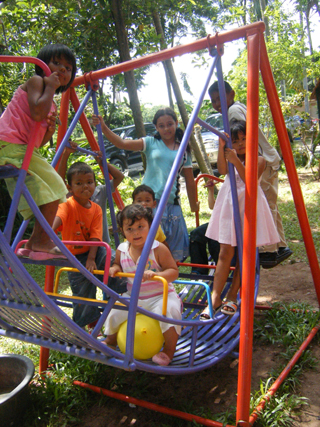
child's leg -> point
(39, 240)
(198, 248)
(170, 342)
(117, 284)
(170, 332)
(83, 314)
(222, 273)
(111, 340)
(235, 285)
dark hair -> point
(57, 51)
(169, 112)
(143, 188)
(134, 213)
(215, 87)
(78, 167)
(237, 126)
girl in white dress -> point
(221, 226)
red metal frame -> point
(204, 175)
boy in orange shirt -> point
(81, 219)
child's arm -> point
(56, 223)
(116, 267)
(91, 260)
(261, 165)
(51, 120)
(62, 168)
(126, 144)
(231, 156)
(221, 162)
(169, 267)
(40, 95)
(211, 198)
(116, 174)
(191, 189)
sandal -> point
(229, 307)
(205, 315)
(54, 253)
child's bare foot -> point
(111, 341)
(40, 246)
(109, 345)
(161, 359)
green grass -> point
(311, 194)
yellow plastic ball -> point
(148, 337)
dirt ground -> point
(214, 390)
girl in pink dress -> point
(32, 103)
(221, 226)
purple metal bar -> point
(211, 129)
(71, 128)
(106, 174)
(158, 215)
(234, 193)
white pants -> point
(154, 304)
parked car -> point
(124, 159)
(210, 140)
(296, 124)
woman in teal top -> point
(160, 152)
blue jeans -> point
(83, 314)
(198, 248)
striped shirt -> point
(150, 288)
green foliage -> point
(127, 187)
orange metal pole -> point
(275, 386)
(290, 166)
(64, 113)
(204, 43)
(50, 269)
(249, 231)
(152, 406)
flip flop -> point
(205, 315)
(23, 252)
(228, 303)
(161, 359)
(43, 256)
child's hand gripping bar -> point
(101, 272)
(165, 289)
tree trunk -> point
(307, 15)
(123, 46)
(265, 18)
(176, 89)
(168, 85)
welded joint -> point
(89, 82)
(214, 45)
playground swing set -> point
(33, 315)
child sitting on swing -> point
(134, 222)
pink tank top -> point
(16, 123)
